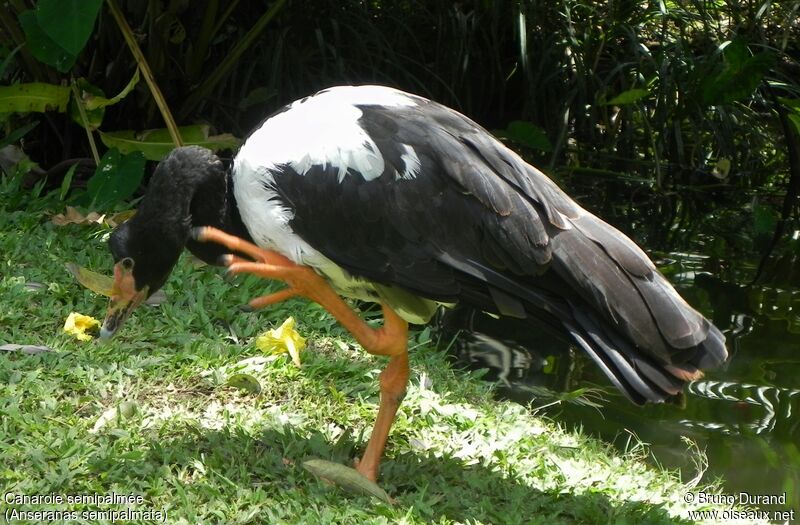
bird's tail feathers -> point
(635, 374)
(637, 329)
(628, 317)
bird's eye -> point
(127, 263)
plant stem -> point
(79, 102)
(222, 69)
(145, 68)
(221, 20)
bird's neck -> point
(183, 201)
(215, 205)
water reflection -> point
(772, 407)
(745, 415)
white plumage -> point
(323, 130)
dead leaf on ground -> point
(26, 349)
(96, 282)
(245, 382)
(346, 477)
(73, 216)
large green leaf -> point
(793, 105)
(34, 97)
(44, 48)
(740, 75)
(115, 179)
(154, 144)
(69, 23)
(794, 118)
(764, 219)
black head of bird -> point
(188, 187)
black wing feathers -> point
(476, 223)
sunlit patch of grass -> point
(150, 412)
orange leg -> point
(390, 340)
(393, 381)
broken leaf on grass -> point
(346, 477)
(154, 144)
(282, 340)
(104, 284)
(81, 326)
(245, 382)
(125, 410)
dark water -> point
(745, 416)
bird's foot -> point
(389, 340)
(301, 280)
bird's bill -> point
(124, 300)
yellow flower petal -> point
(282, 340)
(78, 325)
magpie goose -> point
(370, 193)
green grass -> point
(204, 452)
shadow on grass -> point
(269, 469)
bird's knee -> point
(394, 379)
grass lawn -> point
(150, 413)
